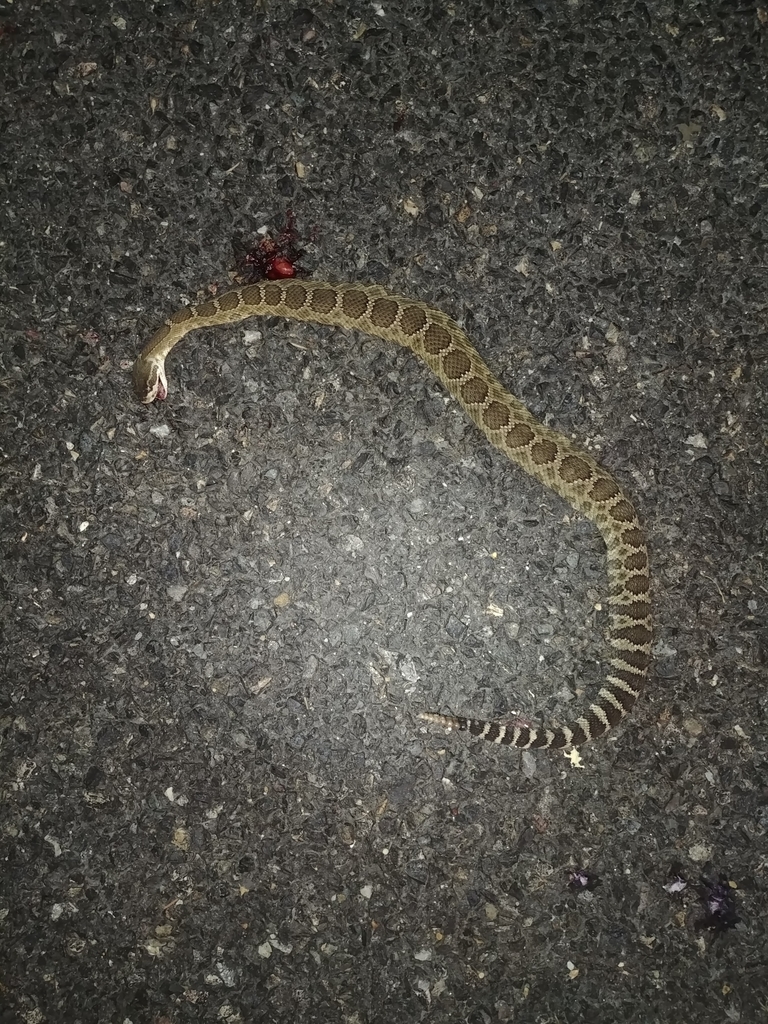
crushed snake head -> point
(149, 380)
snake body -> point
(509, 426)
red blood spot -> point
(272, 257)
(280, 267)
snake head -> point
(149, 380)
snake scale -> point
(509, 426)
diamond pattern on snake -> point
(539, 451)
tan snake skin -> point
(541, 452)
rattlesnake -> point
(543, 453)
